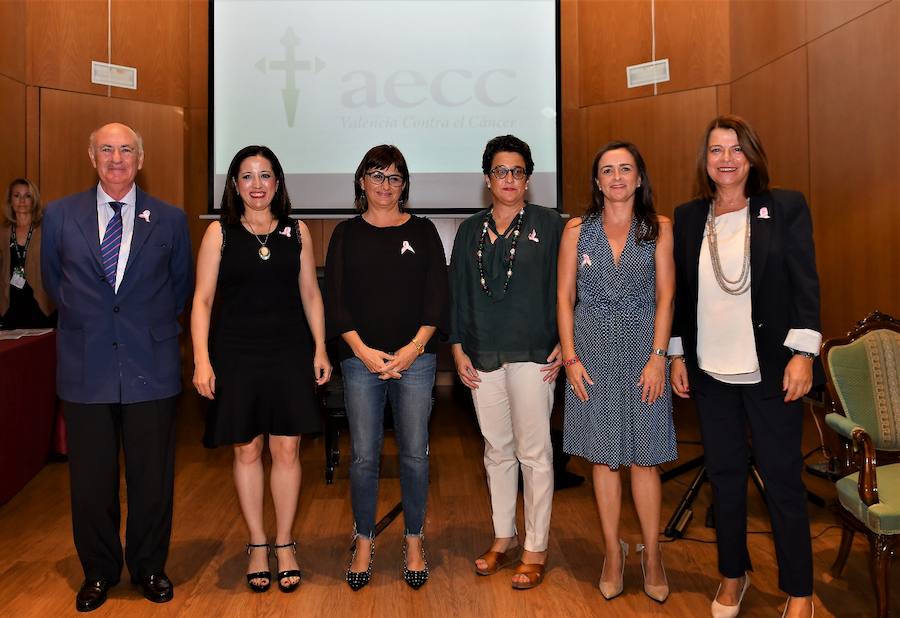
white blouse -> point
(726, 347)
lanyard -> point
(20, 255)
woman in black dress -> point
(23, 302)
(257, 363)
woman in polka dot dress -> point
(616, 262)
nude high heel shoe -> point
(729, 611)
(612, 590)
(784, 613)
(658, 593)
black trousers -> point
(146, 431)
(726, 412)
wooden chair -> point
(863, 371)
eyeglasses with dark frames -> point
(500, 172)
(378, 178)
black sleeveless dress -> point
(260, 344)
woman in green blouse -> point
(506, 350)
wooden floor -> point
(40, 572)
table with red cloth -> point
(28, 410)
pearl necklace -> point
(738, 286)
(512, 251)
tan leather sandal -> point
(497, 560)
(534, 572)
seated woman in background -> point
(747, 324)
(616, 261)
(386, 291)
(257, 362)
(23, 302)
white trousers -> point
(513, 406)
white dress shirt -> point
(105, 213)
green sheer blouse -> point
(518, 325)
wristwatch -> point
(809, 355)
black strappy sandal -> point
(266, 575)
(282, 575)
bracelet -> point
(676, 357)
(809, 355)
(660, 352)
(572, 361)
(419, 347)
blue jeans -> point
(365, 397)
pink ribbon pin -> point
(763, 213)
(286, 231)
(145, 216)
(533, 236)
(585, 260)
(406, 247)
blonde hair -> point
(37, 209)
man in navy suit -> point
(117, 262)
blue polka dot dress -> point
(614, 315)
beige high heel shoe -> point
(812, 606)
(719, 610)
(658, 593)
(612, 590)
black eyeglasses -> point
(395, 180)
(500, 172)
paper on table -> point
(23, 332)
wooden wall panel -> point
(774, 100)
(33, 134)
(12, 41)
(611, 35)
(67, 119)
(825, 15)
(694, 36)
(12, 133)
(153, 36)
(854, 119)
(666, 129)
(198, 49)
(63, 38)
(196, 168)
(723, 99)
(763, 30)
(615, 34)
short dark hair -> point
(751, 146)
(380, 158)
(506, 143)
(233, 205)
(647, 228)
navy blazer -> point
(784, 285)
(117, 347)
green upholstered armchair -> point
(863, 371)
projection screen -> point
(320, 82)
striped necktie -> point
(112, 240)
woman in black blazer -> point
(745, 338)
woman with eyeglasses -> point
(506, 350)
(386, 297)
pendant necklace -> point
(264, 253)
(512, 251)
